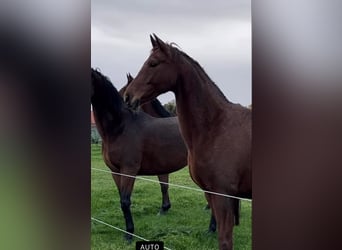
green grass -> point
(183, 227)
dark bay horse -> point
(155, 108)
(133, 143)
(217, 132)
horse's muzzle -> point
(126, 99)
(133, 104)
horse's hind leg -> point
(166, 204)
(237, 204)
(126, 187)
(207, 207)
(224, 212)
(212, 223)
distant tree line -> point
(171, 107)
(95, 136)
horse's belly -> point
(110, 158)
(157, 168)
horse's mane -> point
(177, 53)
(106, 90)
(106, 98)
(159, 108)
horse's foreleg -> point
(212, 223)
(126, 187)
(116, 179)
(166, 204)
(224, 212)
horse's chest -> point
(110, 158)
(106, 159)
(199, 171)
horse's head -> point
(158, 75)
(129, 80)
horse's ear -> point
(129, 78)
(160, 44)
(154, 42)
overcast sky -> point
(215, 33)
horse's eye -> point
(153, 63)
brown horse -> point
(217, 132)
(134, 143)
(156, 109)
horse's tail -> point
(237, 204)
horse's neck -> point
(100, 125)
(107, 122)
(199, 104)
(147, 108)
(155, 108)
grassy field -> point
(183, 227)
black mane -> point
(159, 108)
(176, 53)
(107, 102)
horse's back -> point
(162, 147)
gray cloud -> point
(217, 34)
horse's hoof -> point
(212, 228)
(162, 212)
(128, 238)
(164, 209)
(211, 231)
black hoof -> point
(162, 212)
(128, 238)
(164, 209)
(210, 231)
